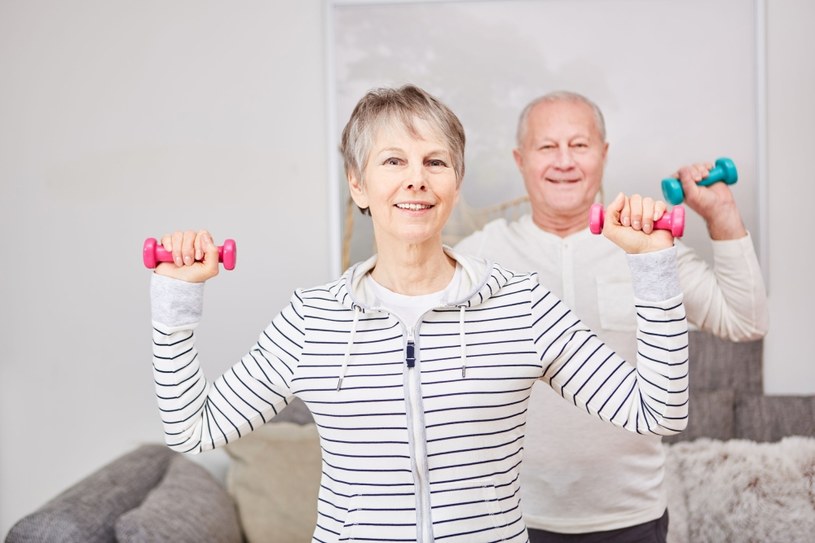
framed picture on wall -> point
(675, 88)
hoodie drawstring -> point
(347, 357)
(463, 343)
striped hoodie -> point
(422, 430)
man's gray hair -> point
(560, 96)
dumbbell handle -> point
(725, 170)
(673, 220)
(153, 253)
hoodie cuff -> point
(176, 303)
(655, 275)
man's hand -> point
(714, 203)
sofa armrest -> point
(87, 511)
(187, 506)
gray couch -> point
(152, 494)
(138, 497)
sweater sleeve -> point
(198, 415)
(728, 300)
(651, 397)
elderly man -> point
(583, 480)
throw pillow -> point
(274, 479)
(187, 506)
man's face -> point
(561, 159)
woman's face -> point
(409, 184)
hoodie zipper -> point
(413, 390)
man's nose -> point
(565, 159)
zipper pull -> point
(410, 354)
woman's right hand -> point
(195, 256)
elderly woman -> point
(417, 364)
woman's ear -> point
(357, 190)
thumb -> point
(618, 203)
(615, 209)
(210, 260)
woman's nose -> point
(416, 180)
(419, 185)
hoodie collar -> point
(479, 280)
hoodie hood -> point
(479, 279)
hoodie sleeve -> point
(198, 415)
(651, 397)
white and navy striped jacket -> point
(422, 433)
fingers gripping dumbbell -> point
(153, 253)
(724, 170)
(673, 221)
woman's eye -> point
(436, 163)
(392, 161)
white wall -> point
(120, 120)
(488, 59)
(789, 366)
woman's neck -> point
(413, 270)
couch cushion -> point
(187, 506)
(739, 490)
(274, 479)
(86, 512)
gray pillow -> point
(86, 512)
(189, 505)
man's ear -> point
(519, 160)
(357, 190)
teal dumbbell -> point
(724, 170)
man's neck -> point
(561, 225)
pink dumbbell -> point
(154, 253)
(673, 220)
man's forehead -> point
(567, 117)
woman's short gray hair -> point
(383, 106)
(560, 96)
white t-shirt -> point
(409, 309)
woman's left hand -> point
(629, 223)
